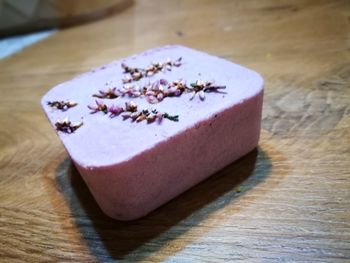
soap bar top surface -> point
(103, 141)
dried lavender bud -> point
(150, 93)
(130, 112)
(150, 73)
(99, 107)
(136, 74)
(163, 82)
(176, 88)
(200, 87)
(109, 94)
(135, 115)
(128, 69)
(142, 116)
(62, 105)
(177, 63)
(130, 106)
(152, 99)
(193, 95)
(160, 96)
(66, 126)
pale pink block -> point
(133, 168)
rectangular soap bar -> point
(144, 129)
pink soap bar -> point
(134, 166)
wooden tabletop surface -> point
(287, 201)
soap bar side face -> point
(131, 190)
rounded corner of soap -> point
(260, 79)
(126, 215)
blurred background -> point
(24, 22)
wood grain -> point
(293, 200)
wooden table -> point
(287, 201)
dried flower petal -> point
(177, 63)
(152, 99)
(127, 79)
(150, 93)
(160, 97)
(172, 90)
(136, 94)
(193, 95)
(201, 95)
(100, 106)
(163, 82)
(178, 92)
(115, 111)
(136, 76)
(159, 117)
(151, 118)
